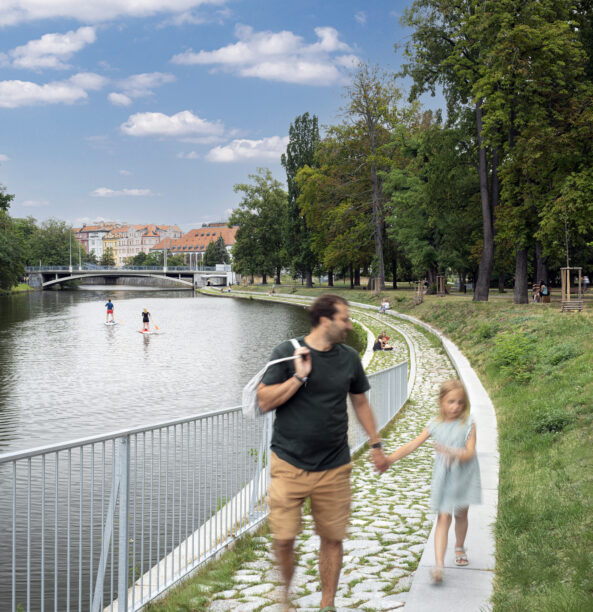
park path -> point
(390, 520)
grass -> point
(196, 592)
(21, 287)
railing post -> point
(123, 473)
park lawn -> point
(16, 289)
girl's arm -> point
(408, 448)
(461, 454)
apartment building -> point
(194, 243)
(129, 240)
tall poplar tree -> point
(303, 139)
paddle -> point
(154, 323)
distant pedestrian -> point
(109, 315)
(456, 473)
(384, 306)
(310, 456)
(585, 283)
(145, 320)
(544, 292)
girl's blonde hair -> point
(445, 389)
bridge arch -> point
(63, 279)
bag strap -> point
(296, 345)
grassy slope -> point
(537, 365)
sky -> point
(150, 111)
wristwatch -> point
(377, 445)
(302, 379)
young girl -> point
(456, 473)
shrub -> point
(561, 352)
(551, 421)
(514, 354)
(487, 330)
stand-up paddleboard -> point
(110, 323)
(149, 333)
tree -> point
(216, 253)
(260, 216)
(26, 231)
(12, 255)
(447, 49)
(371, 108)
(303, 139)
(108, 258)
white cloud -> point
(190, 155)
(119, 99)
(138, 86)
(277, 56)
(183, 125)
(361, 17)
(105, 192)
(92, 11)
(26, 93)
(34, 203)
(247, 150)
(51, 50)
(125, 172)
(4, 158)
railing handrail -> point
(97, 268)
(120, 433)
(113, 435)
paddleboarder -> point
(145, 320)
(109, 314)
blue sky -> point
(150, 111)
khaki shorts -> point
(330, 495)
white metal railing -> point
(112, 521)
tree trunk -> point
(520, 292)
(357, 276)
(351, 277)
(309, 277)
(264, 279)
(462, 287)
(541, 269)
(277, 281)
(330, 277)
(394, 270)
(501, 282)
(482, 286)
(378, 225)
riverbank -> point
(535, 363)
(20, 288)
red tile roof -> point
(196, 240)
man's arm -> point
(270, 397)
(366, 418)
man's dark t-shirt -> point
(311, 428)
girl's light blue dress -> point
(455, 484)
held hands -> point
(379, 459)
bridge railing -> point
(93, 267)
(110, 522)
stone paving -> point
(390, 520)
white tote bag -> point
(249, 403)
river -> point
(65, 375)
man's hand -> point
(302, 366)
(379, 459)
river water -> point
(65, 375)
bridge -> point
(190, 277)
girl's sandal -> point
(436, 574)
(460, 556)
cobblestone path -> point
(390, 517)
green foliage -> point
(303, 140)
(260, 216)
(551, 420)
(487, 330)
(108, 258)
(215, 253)
(52, 244)
(514, 354)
